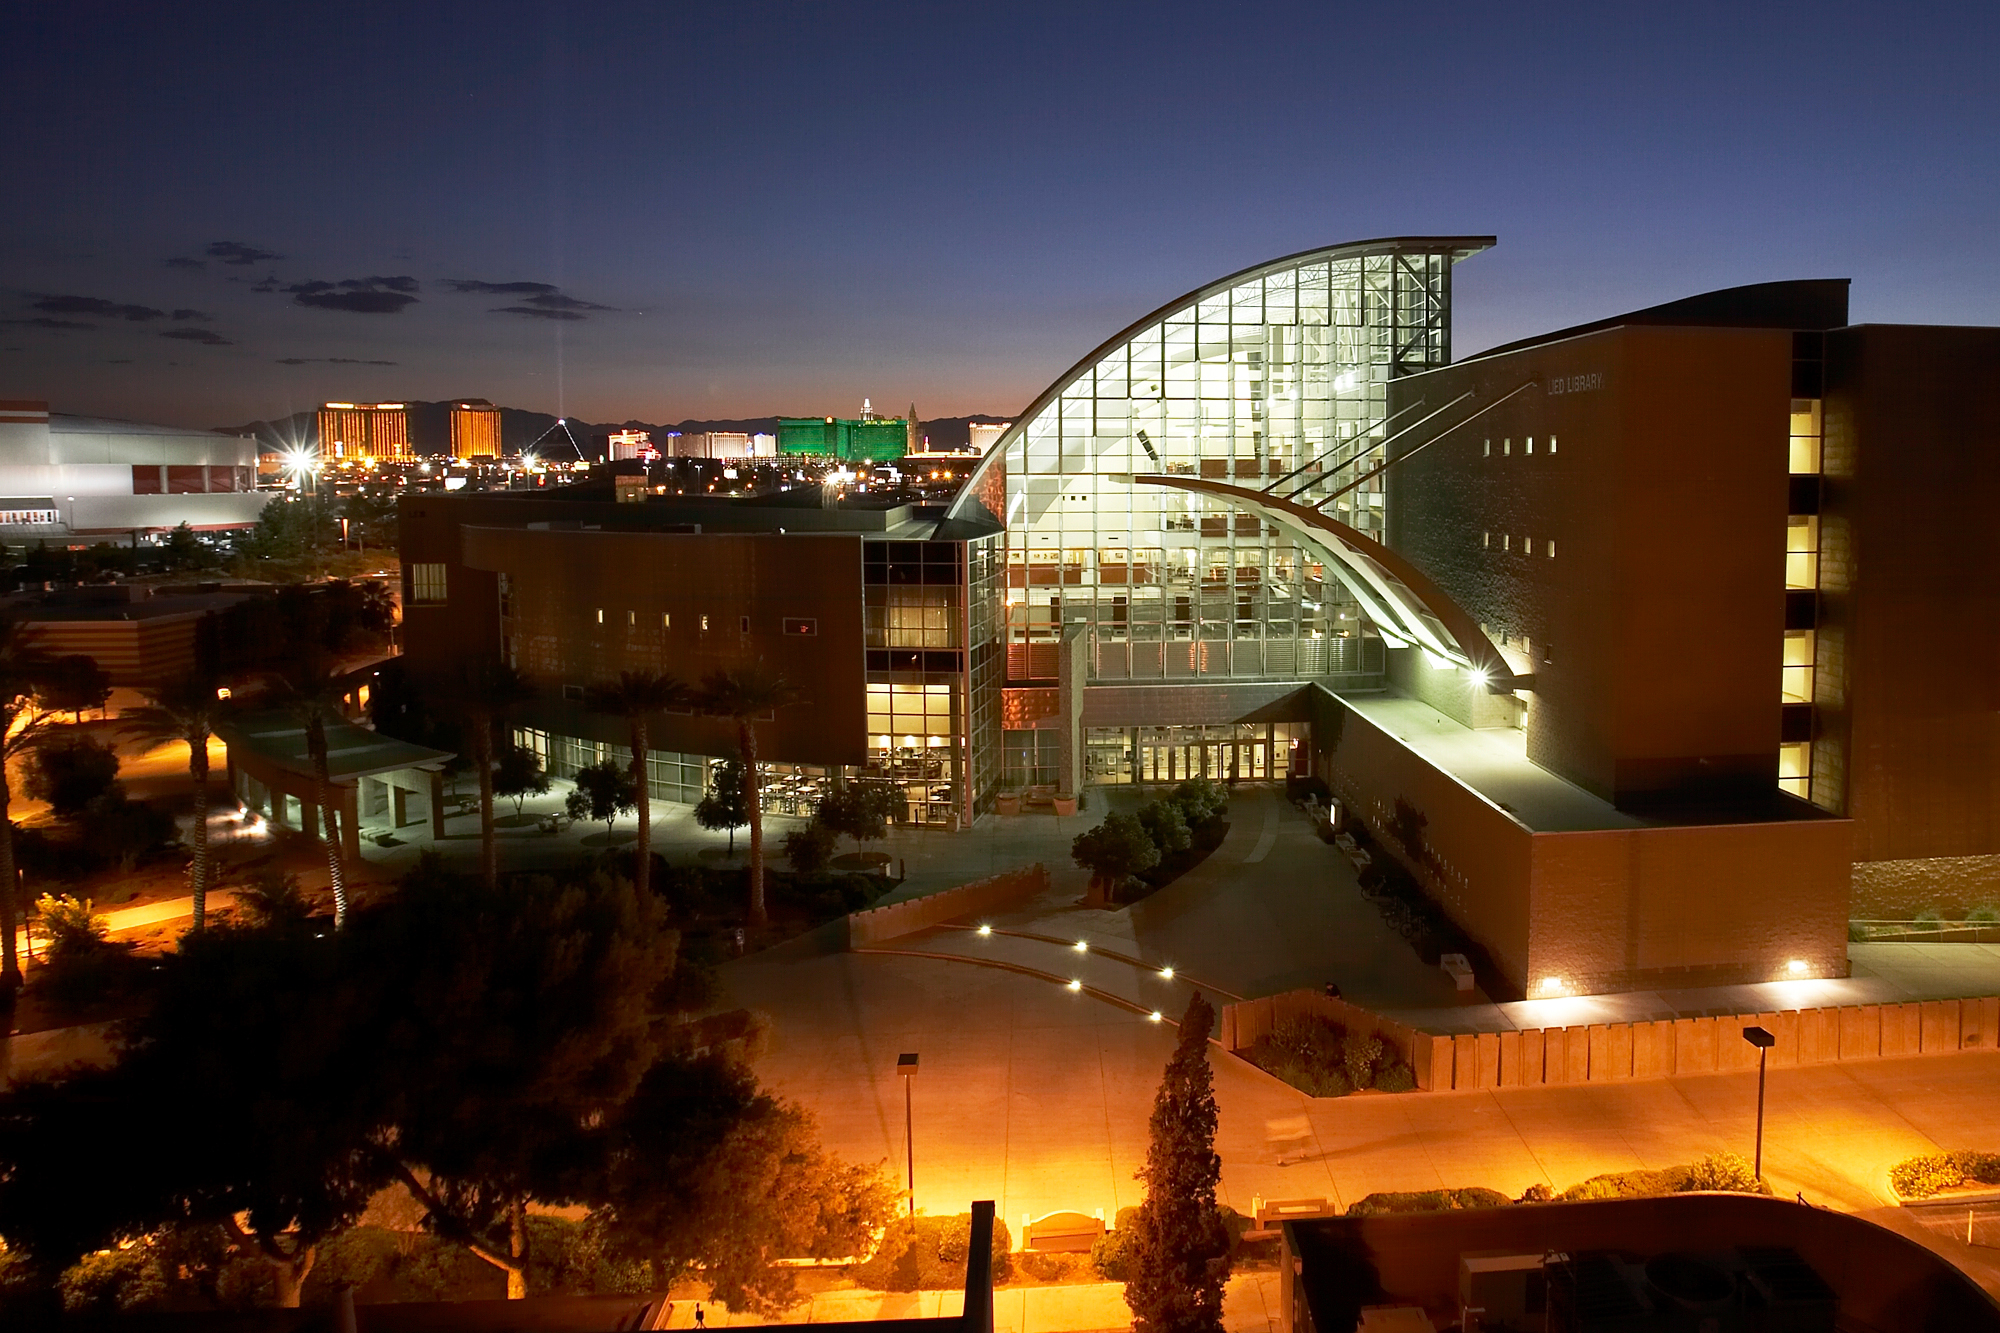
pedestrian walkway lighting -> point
(1075, 984)
(1167, 972)
(1083, 946)
(1763, 1041)
(1153, 1017)
(1797, 967)
(906, 1067)
(986, 930)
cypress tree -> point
(1180, 1255)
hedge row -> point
(1921, 1177)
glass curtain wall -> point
(1276, 379)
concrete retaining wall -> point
(1009, 889)
(1611, 1052)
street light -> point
(906, 1066)
(1763, 1041)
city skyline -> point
(731, 242)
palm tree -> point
(21, 723)
(310, 689)
(185, 709)
(487, 689)
(748, 695)
(636, 696)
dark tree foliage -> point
(184, 552)
(76, 685)
(518, 774)
(861, 811)
(1180, 1245)
(604, 791)
(726, 804)
(1114, 851)
(810, 849)
(1166, 824)
(71, 772)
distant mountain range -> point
(430, 429)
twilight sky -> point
(223, 212)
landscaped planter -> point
(1065, 805)
(1007, 803)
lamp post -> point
(1763, 1041)
(906, 1067)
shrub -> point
(1428, 1201)
(70, 773)
(1395, 1076)
(1722, 1171)
(1986, 914)
(929, 1254)
(1360, 1053)
(127, 831)
(1536, 1193)
(1200, 799)
(113, 1282)
(1921, 1177)
(810, 848)
(69, 925)
(1111, 1254)
(1166, 825)
(1928, 919)
(272, 901)
(1322, 1059)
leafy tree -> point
(272, 902)
(810, 849)
(519, 775)
(725, 805)
(523, 1017)
(638, 696)
(70, 772)
(486, 691)
(707, 1176)
(184, 709)
(1114, 851)
(603, 791)
(747, 695)
(126, 830)
(182, 550)
(1179, 1256)
(1166, 825)
(861, 811)
(76, 685)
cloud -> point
(360, 296)
(539, 300)
(206, 337)
(192, 314)
(44, 322)
(331, 361)
(537, 312)
(500, 288)
(238, 254)
(91, 305)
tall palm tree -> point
(748, 695)
(636, 696)
(310, 689)
(487, 689)
(185, 709)
(21, 724)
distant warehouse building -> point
(64, 476)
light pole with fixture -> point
(1763, 1041)
(906, 1066)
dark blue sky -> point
(786, 207)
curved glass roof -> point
(1277, 372)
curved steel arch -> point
(1398, 597)
(1458, 247)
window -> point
(1506, 448)
(1486, 540)
(1795, 768)
(1798, 669)
(800, 626)
(744, 624)
(1552, 444)
(1488, 452)
(574, 693)
(1527, 546)
(600, 615)
(1552, 548)
(704, 624)
(1529, 448)
(1506, 542)
(427, 583)
(666, 620)
(1802, 551)
(631, 618)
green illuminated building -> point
(869, 440)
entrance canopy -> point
(278, 739)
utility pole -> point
(906, 1066)
(1763, 1041)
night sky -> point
(219, 213)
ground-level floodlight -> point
(1763, 1041)
(906, 1066)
